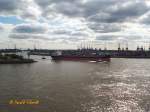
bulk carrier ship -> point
(83, 55)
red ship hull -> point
(82, 58)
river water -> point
(123, 85)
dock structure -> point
(140, 52)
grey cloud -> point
(121, 37)
(92, 10)
(106, 37)
(131, 10)
(19, 36)
(145, 19)
(61, 32)
(17, 8)
(29, 31)
(74, 8)
(27, 36)
(97, 10)
(120, 12)
(30, 28)
(12, 7)
(101, 15)
(1, 27)
(69, 9)
(9, 5)
(70, 33)
(81, 34)
(46, 3)
(56, 35)
(66, 38)
(43, 3)
(76, 39)
(28, 15)
(104, 27)
(93, 7)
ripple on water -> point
(116, 97)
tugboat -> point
(81, 56)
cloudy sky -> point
(67, 24)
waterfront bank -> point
(14, 59)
